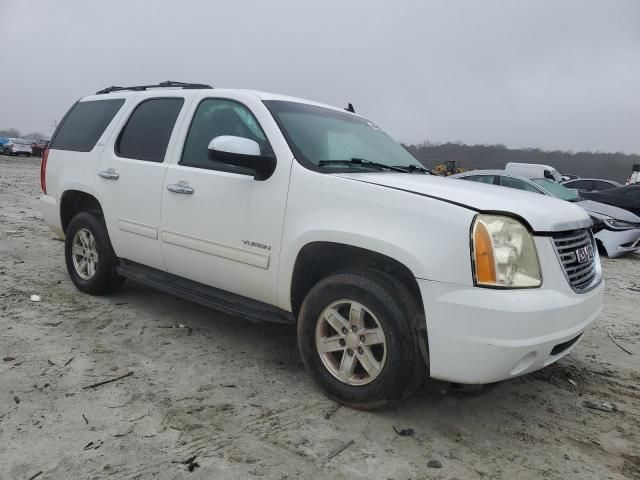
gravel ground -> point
(224, 397)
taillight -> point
(43, 171)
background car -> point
(627, 197)
(38, 146)
(617, 231)
(3, 141)
(591, 184)
(17, 146)
(534, 170)
(568, 176)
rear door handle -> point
(109, 174)
(180, 187)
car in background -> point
(17, 146)
(534, 170)
(627, 197)
(591, 184)
(38, 146)
(3, 140)
(616, 231)
(568, 176)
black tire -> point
(105, 280)
(397, 313)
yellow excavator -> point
(446, 169)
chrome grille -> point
(581, 276)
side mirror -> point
(242, 152)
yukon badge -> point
(249, 243)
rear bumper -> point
(479, 335)
(51, 214)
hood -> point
(541, 212)
(610, 211)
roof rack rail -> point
(167, 84)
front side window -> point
(148, 130)
(215, 117)
(330, 140)
(84, 124)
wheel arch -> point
(73, 202)
(316, 260)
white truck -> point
(284, 209)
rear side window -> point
(600, 185)
(518, 184)
(83, 125)
(481, 178)
(580, 185)
(148, 130)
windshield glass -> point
(556, 190)
(321, 136)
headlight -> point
(503, 253)
(614, 224)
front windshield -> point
(556, 190)
(329, 139)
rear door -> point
(131, 175)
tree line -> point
(613, 166)
(15, 133)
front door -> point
(130, 179)
(219, 226)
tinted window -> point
(518, 184)
(600, 185)
(579, 185)
(481, 178)
(83, 125)
(213, 118)
(148, 130)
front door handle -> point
(109, 174)
(180, 187)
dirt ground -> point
(233, 393)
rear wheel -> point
(357, 338)
(91, 261)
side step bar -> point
(205, 295)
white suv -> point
(287, 210)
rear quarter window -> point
(84, 124)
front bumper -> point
(619, 242)
(481, 335)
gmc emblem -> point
(584, 254)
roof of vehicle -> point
(152, 90)
(528, 165)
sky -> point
(529, 73)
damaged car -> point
(617, 231)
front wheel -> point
(91, 261)
(357, 337)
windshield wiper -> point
(415, 168)
(366, 163)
